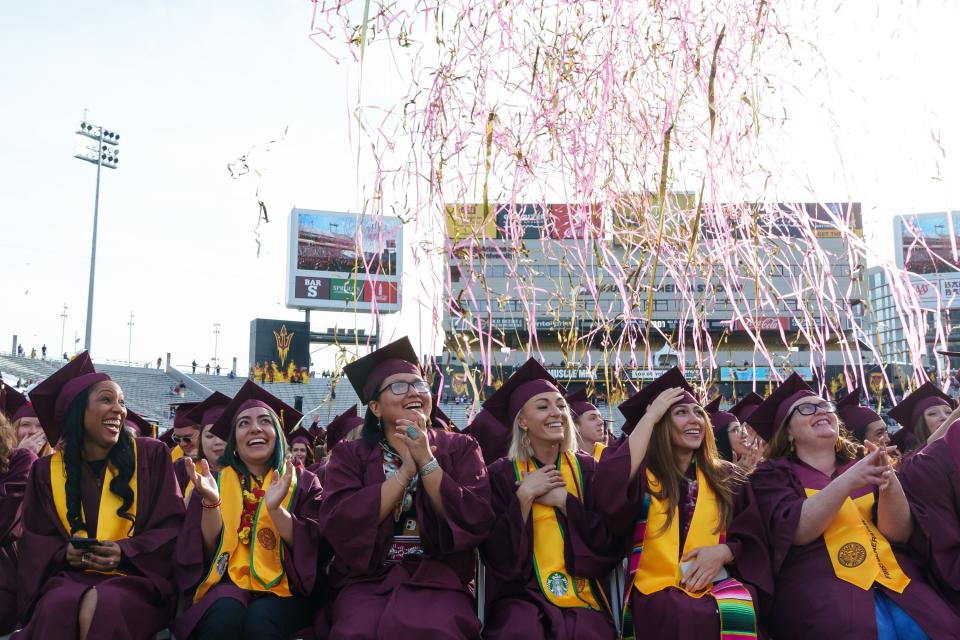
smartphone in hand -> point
(84, 544)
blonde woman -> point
(548, 550)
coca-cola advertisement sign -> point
(763, 323)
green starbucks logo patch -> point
(558, 584)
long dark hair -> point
(372, 429)
(121, 456)
(722, 476)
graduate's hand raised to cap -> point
(415, 434)
(662, 403)
(203, 481)
(279, 486)
(540, 482)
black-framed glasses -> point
(402, 387)
(179, 439)
(810, 408)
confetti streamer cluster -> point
(648, 120)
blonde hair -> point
(520, 449)
(8, 441)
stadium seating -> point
(149, 391)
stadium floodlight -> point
(103, 152)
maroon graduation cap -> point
(719, 419)
(908, 412)
(770, 414)
(579, 403)
(253, 395)
(143, 427)
(492, 436)
(208, 411)
(636, 405)
(855, 416)
(167, 438)
(181, 415)
(366, 374)
(343, 424)
(15, 405)
(51, 398)
(301, 435)
(745, 407)
(529, 380)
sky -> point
(193, 86)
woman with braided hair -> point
(100, 517)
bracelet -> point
(210, 506)
(396, 476)
(429, 468)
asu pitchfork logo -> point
(283, 339)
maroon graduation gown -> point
(931, 480)
(668, 613)
(12, 486)
(804, 598)
(180, 471)
(518, 608)
(136, 605)
(303, 562)
(317, 469)
(420, 598)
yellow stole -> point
(659, 566)
(598, 448)
(548, 542)
(257, 566)
(859, 553)
(176, 453)
(110, 526)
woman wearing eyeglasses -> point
(823, 541)
(404, 508)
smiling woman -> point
(250, 553)
(549, 547)
(103, 485)
(824, 546)
(676, 508)
(404, 508)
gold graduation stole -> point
(176, 453)
(659, 565)
(256, 565)
(556, 583)
(859, 553)
(110, 526)
(598, 448)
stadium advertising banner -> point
(525, 221)
(344, 261)
(928, 242)
(279, 350)
(762, 374)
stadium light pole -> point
(63, 329)
(216, 339)
(103, 154)
(129, 338)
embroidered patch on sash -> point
(852, 554)
(266, 539)
(558, 584)
(222, 563)
(580, 585)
